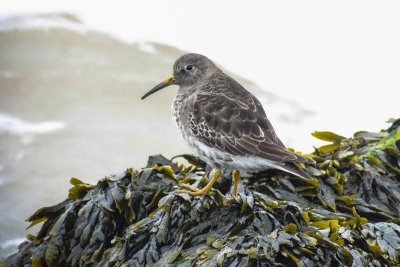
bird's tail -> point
(293, 169)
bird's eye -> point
(189, 67)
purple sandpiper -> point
(224, 124)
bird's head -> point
(188, 70)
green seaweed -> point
(387, 142)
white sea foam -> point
(6, 74)
(12, 243)
(146, 47)
(15, 126)
(41, 21)
(2, 180)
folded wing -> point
(234, 121)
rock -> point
(348, 215)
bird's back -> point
(225, 116)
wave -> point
(15, 126)
(26, 22)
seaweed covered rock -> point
(347, 216)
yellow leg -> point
(236, 177)
(194, 189)
(205, 191)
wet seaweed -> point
(349, 215)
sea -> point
(71, 82)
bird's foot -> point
(233, 199)
(194, 190)
(200, 192)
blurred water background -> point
(71, 78)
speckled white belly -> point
(225, 161)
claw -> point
(200, 192)
(195, 193)
(195, 189)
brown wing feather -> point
(234, 121)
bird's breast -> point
(180, 113)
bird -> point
(224, 124)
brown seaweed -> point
(349, 215)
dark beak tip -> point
(170, 80)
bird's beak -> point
(167, 82)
